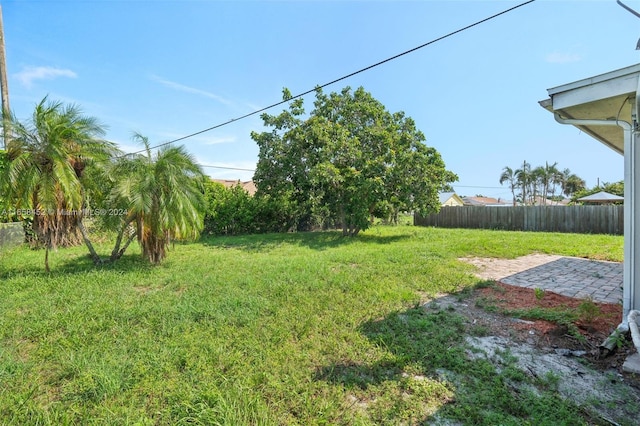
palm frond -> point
(47, 154)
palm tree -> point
(523, 178)
(546, 177)
(572, 183)
(47, 158)
(164, 198)
(562, 180)
(509, 176)
(535, 183)
(557, 178)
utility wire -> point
(228, 168)
(471, 186)
(340, 78)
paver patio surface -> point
(569, 276)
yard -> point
(307, 328)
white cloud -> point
(29, 74)
(563, 58)
(187, 89)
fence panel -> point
(576, 219)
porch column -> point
(631, 288)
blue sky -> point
(170, 68)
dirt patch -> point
(594, 321)
(567, 354)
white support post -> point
(631, 286)
(631, 268)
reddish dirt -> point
(605, 319)
(596, 322)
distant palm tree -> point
(164, 197)
(547, 177)
(572, 183)
(562, 180)
(47, 158)
(524, 179)
(557, 179)
(509, 176)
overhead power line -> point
(406, 52)
(481, 187)
(228, 168)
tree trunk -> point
(124, 248)
(343, 222)
(56, 230)
(117, 252)
(116, 247)
(94, 256)
(46, 258)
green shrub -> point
(273, 215)
(233, 211)
(229, 210)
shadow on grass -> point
(79, 263)
(128, 262)
(426, 352)
(414, 338)
(421, 346)
(320, 240)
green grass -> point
(308, 328)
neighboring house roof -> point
(540, 201)
(601, 197)
(450, 199)
(483, 201)
(248, 186)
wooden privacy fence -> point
(577, 219)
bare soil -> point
(590, 376)
(593, 329)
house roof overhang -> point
(610, 96)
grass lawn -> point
(308, 328)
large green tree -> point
(348, 160)
(48, 155)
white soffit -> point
(607, 96)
